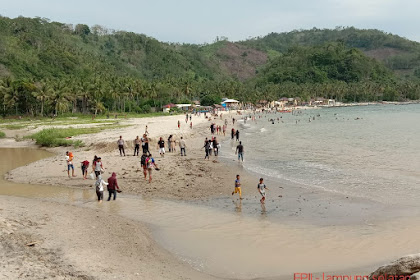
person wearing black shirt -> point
(207, 148)
(240, 151)
(161, 146)
(215, 148)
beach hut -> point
(230, 103)
(166, 108)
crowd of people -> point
(211, 147)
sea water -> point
(370, 152)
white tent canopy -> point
(230, 101)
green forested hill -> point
(397, 53)
(50, 68)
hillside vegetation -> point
(49, 68)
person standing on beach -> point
(261, 189)
(173, 144)
(215, 147)
(69, 161)
(232, 133)
(150, 163)
(143, 164)
(97, 167)
(145, 130)
(182, 146)
(237, 135)
(85, 166)
(136, 146)
(238, 187)
(99, 184)
(207, 148)
(161, 146)
(120, 143)
(145, 144)
(240, 151)
(224, 130)
(170, 143)
(179, 124)
(112, 186)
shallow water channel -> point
(227, 244)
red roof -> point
(171, 105)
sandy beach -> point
(187, 202)
(185, 178)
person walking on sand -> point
(112, 186)
(240, 151)
(145, 131)
(145, 143)
(237, 135)
(182, 146)
(120, 143)
(136, 146)
(179, 124)
(207, 148)
(261, 189)
(215, 147)
(150, 163)
(69, 161)
(224, 130)
(173, 144)
(232, 133)
(85, 166)
(99, 184)
(238, 187)
(161, 146)
(170, 143)
(143, 164)
(190, 125)
(97, 167)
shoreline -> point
(199, 193)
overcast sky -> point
(198, 21)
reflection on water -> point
(225, 243)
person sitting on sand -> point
(99, 184)
(238, 187)
(69, 160)
(85, 166)
(261, 189)
(112, 186)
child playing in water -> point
(261, 189)
(238, 187)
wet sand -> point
(306, 231)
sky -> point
(196, 21)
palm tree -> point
(43, 93)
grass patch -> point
(54, 137)
(14, 126)
(2, 134)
